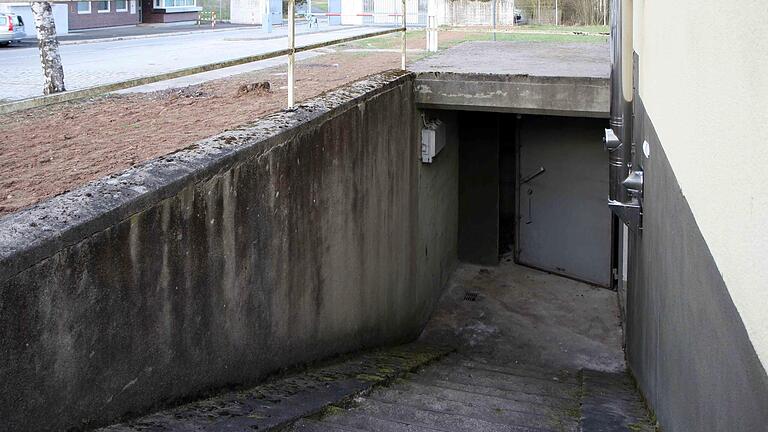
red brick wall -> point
(95, 19)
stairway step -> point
(502, 381)
(513, 402)
(611, 403)
(361, 420)
(284, 400)
(481, 409)
(308, 425)
(505, 393)
(517, 369)
(426, 418)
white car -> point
(11, 28)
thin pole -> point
(291, 49)
(605, 11)
(493, 13)
(402, 59)
(557, 15)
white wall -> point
(704, 82)
(60, 17)
(246, 11)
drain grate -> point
(470, 296)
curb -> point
(146, 36)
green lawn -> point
(585, 29)
(393, 40)
(319, 6)
(534, 37)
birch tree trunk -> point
(49, 47)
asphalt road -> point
(99, 63)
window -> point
(160, 4)
(102, 6)
(121, 6)
(83, 7)
(3, 20)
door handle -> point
(533, 175)
(530, 206)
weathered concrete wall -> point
(280, 243)
(438, 217)
(686, 342)
(569, 79)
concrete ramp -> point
(569, 79)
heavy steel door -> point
(564, 224)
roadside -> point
(107, 63)
(112, 34)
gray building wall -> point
(686, 342)
(284, 242)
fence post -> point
(402, 60)
(493, 14)
(291, 48)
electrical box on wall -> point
(432, 140)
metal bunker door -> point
(563, 224)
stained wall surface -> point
(287, 241)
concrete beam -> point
(524, 94)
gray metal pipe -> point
(621, 109)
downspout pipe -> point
(618, 139)
(619, 145)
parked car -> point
(11, 29)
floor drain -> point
(470, 296)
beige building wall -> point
(703, 77)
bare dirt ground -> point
(51, 150)
(48, 151)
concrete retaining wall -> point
(284, 242)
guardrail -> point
(70, 95)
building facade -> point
(114, 13)
(692, 77)
(95, 14)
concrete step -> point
(611, 403)
(510, 402)
(541, 386)
(284, 400)
(485, 390)
(363, 421)
(309, 425)
(505, 413)
(370, 412)
(513, 368)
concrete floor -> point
(542, 59)
(527, 316)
